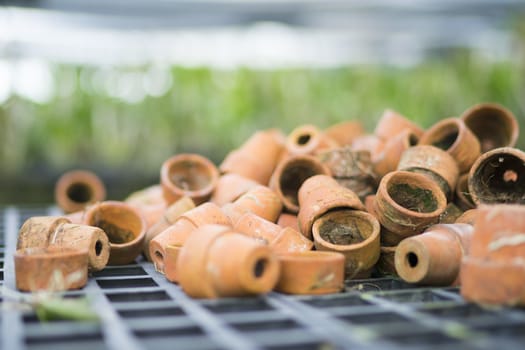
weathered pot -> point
(394, 148)
(353, 233)
(454, 137)
(450, 215)
(171, 254)
(311, 273)
(369, 143)
(498, 176)
(37, 230)
(308, 139)
(468, 217)
(434, 257)
(260, 200)
(463, 198)
(386, 263)
(76, 189)
(392, 123)
(207, 269)
(150, 202)
(345, 132)
(190, 175)
(230, 187)
(288, 220)
(494, 125)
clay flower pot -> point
(345, 132)
(468, 217)
(498, 176)
(124, 226)
(318, 195)
(171, 254)
(260, 200)
(386, 263)
(50, 269)
(433, 162)
(230, 187)
(76, 189)
(311, 273)
(188, 175)
(434, 257)
(394, 149)
(353, 233)
(453, 136)
(451, 214)
(168, 218)
(150, 202)
(257, 158)
(185, 224)
(494, 125)
(392, 123)
(288, 220)
(463, 198)
(407, 203)
(290, 175)
(37, 230)
(308, 139)
(207, 269)
(369, 143)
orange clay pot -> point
(260, 200)
(171, 254)
(290, 175)
(433, 162)
(36, 231)
(77, 217)
(281, 240)
(288, 220)
(167, 219)
(463, 198)
(207, 269)
(394, 148)
(493, 273)
(353, 233)
(498, 176)
(407, 203)
(50, 269)
(176, 234)
(150, 202)
(189, 175)
(453, 136)
(386, 263)
(344, 133)
(318, 195)
(230, 187)
(494, 125)
(311, 273)
(124, 226)
(392, 123)
(257, 158)
(468, 217)
(76, 189)
(369, 143)
(308, 139)
(434, 257)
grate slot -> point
(159, 312)
(113, 271)
(131, 296)
(127, 283)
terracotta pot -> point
(188, 175)
(468, 217)
(257, 158)
(392, 123)
(290, 175)
(389, 159)
(50, 269)
(151, 195)
(281, 240)
(176, 234)
(498, 176)
(207, 269)
(494, 125)
(345, 132)
(369, 204)
(124, 226)
(168, 218)
(453, 136)
(308, 139)
(463, 198)
(76, 189)
(36, 231)
(77, 217)
(318, 195)
(230, 187)
(407, 203)
(260, 200)
(353, 233)
(171, 254)
(433, 162)
(386, 263)
(288, 220)
(369, 143)
(450, 215)
(434, 257)
(311, 273)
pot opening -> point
(115, 233)
(158, 255)
(293, 177)
(98, 248)
(79, 192)
(260, 267)
(343, 228)
(412, 140)
(190, 175)
(446, 140)
(413, 198)
(412, 259)
(303, 139)
(493, 128)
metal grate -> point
(139, 309)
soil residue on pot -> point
(344, 232)
(189, 176)
(116, 234)
(413, 198)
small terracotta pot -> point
(434, 257)
(392, 123)
(345, 132)
(386, 263)
(308, 139)
(498, 176)
(407, 203)
(124, 226)
(230, 187)
(36, 231)
(189, 175)
(450, 215)
(463, 198)
(394, 148)
(453, 136)
(353, 233)
(168, 218)
(76, 217)
(288, 220)
(50, 269)
(433, 162)
(151, 195)
(311, 273)
(260, 200)
(369, 204)
(468, 217)
(171, 254)
(257, 158)
(494, 125)
(207, 269)
(176, 234)
(290, 175)
(318, 195)
(76, 189)
(369, 143)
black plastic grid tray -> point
(139, 309)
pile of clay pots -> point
(303, 212)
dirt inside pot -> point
(344, 228)
(79, 192)
(413, 198)
(116, 234)
(189, 175)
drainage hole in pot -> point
(116, 234)
(159, 255)
(303, 139)
(79, 192)
(446, 141)
(510, 176)
(98, 248)
(417, 199)
(412, 259)
(260, 266)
